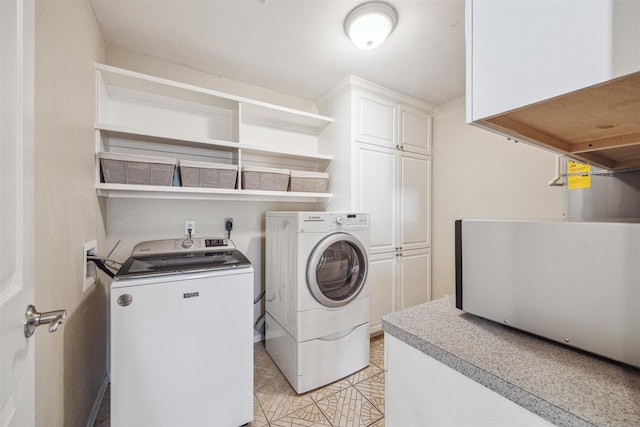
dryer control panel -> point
(350, 219)
(330, 221)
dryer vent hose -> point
(101, 266)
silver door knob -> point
(33, 319)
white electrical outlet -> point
(89, 269)
(189, 225)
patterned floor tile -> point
(265, 373)
(349, 408)
(373, 390)
(308, 416)
(337, 404)
(278, 399)
(259, 353)
(321, 393)
(259, 418)
(365, 373)
(378, 342)
(103, 419)
(379, 423)
(376, 356)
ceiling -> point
(296, 47)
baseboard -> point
(257, 337)
(98, 402)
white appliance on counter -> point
(182, 335)
(316, 295)
(577, 283)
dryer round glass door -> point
(337, 269)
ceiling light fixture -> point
(369, 24)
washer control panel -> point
(181, 245)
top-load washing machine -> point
(182, 335)
(316, 295)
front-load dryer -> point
(317, 297)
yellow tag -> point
(579, 175)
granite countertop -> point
(564, 386)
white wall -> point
(481, 175)
(71, 363)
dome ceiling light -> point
(369, 24)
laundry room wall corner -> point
(71, 363)
(128, 222)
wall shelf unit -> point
(197, 193)
(151, 116)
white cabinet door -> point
(442, 393)
(415, 130)
(375, 119)
(17, 353)
(382, 284)
(523, 52)
(414, 278)
(414, 201)
(376, 172)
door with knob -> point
(17, 19)
(33, 319)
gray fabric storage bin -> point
(118, 168)
(203, 174)
(259, 178)
(308, 182)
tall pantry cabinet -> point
(381, 145)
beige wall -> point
(124, 58)
(481, 175)
(476, 174)
(71, 363)
(128, 220)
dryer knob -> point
(187, 243)
(339, 220)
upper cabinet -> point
(415, 130)
(381, 140)
(389, 122)
(561, 74)
(376, 119)
(149, 116)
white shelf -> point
(147, 115)
(162, 192)
(253, 111)
(185, 141)
(283, 118)
(114, 77)
(165, 138)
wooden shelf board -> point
(599, 124)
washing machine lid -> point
(337, 269)
(156, 258)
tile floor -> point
(357, 400)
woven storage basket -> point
(120, 168)
(309, 182)
(259, 178)
(202, 174)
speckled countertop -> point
(564, 386)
